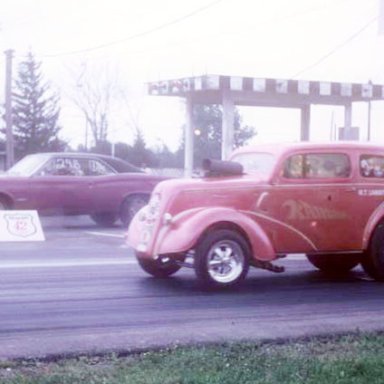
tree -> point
(35, 111)
(95, 91)
(207, 121)
(139, 154)
(166, 158)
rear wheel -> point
(104, 219)
(221, 258)
(373, 261)
(3, 204)
(130, 206)
(162, 267)
(334, 263)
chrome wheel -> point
(221, 258)
(225, 261)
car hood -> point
(175, 186)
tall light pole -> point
(381, 18)
(9, 149)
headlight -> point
(148, 218)
(154, 205)
(167, 218)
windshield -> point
(255, 162)
(27, 165)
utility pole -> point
(381, 18)
(10, 159)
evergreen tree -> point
(139, 154)
(167, 159)
(35, 112)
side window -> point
(372, 166)
(98, 168)
(293, 168)
(62, 166)
(317, 166)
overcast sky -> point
(143, 40)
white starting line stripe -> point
(104, 234)
(88, 263)
(65, 264)
(298, 256)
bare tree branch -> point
(94, 94)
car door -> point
(108, 186)
(61, 186)
(369, 191)
(314, 200)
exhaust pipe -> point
(214, 168)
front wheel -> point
(221, 258)
(334, 263)
(162, 267)
(130, 206)
(373, 261)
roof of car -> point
(118, 164)
(279, 148)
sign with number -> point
(20, 226)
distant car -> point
(323, 200)
(104, 187)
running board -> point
(188, 263)
(268, 266)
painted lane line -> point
(64, 264)
(295, 256)
(74, 263)
(103, 234)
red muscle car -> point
(322, 200)
(104, 187)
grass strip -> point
(349, 359)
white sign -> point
(20, 226)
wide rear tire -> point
(373, 261)
(334, 263)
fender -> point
(184, 230)
(132, 235)
(375, 218)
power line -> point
(336, 49)
(140, 34)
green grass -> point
(357, 358)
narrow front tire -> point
(221, 258)
(161, 267)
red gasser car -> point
(323, 200)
